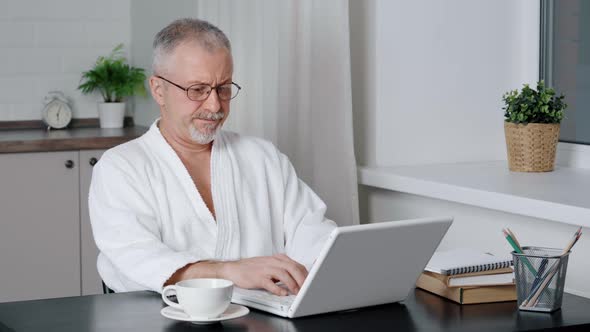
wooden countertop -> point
(41, 140)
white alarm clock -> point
(56, 113)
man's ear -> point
(157, 89)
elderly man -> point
(188, 200)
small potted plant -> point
(532, 119)
(115, 79)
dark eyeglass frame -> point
(204, 84)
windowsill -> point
(561, 195)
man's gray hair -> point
(208, 36)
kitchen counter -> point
(42, 140)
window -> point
(565, 62)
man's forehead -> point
(198, 64)
(194, 49)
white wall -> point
(46, 45)
(480, 228)
(147, 18)
(428, 77)
(363, 72)
(440, 68)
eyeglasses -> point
(200, 91)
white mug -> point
(200, 298)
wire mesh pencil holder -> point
(540, 277)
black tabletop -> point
(422, 311)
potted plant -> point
(532, 119)
(116, 80)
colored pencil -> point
(534, 300)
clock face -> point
(57, 114)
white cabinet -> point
(91, 282)
(46, 244)
(39, 225)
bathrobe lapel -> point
(223, 189)
(226, 227)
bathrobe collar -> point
(223, 188)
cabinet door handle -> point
(69, 164)
(92, 161)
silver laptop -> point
(360, 265)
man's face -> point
(187, 120)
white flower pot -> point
(111, 115)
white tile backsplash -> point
(27, 61)
(5, 112)
(15, 34)
(100, 34)
(46, 45)
(16, 89)
(68, 84)
(26, 111)
(60, 34)
(78, 60)
(39, 10)
(84, 109)
(109, 9)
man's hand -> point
(264, 272)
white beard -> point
(207, 137)
(200, 137)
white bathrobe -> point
(149, 219)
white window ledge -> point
(562, 195)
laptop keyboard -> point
(264, 297)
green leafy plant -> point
(534, 106)
(114, 78)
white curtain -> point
(292, 58)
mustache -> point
(209, 116)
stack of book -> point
(467, 276)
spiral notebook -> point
(459, 261)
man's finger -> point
(288, 259)
(298, 271)
(273, 288)
(298, 275)
(286, 278)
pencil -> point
(518, 250)
(513, 237)
(532, 300)
(573, 241)
(547, 279)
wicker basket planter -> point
(531, 147)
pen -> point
(533, 297)
(541, 267)
(538, 277)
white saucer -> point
(233, 311)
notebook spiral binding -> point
(478, 268)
